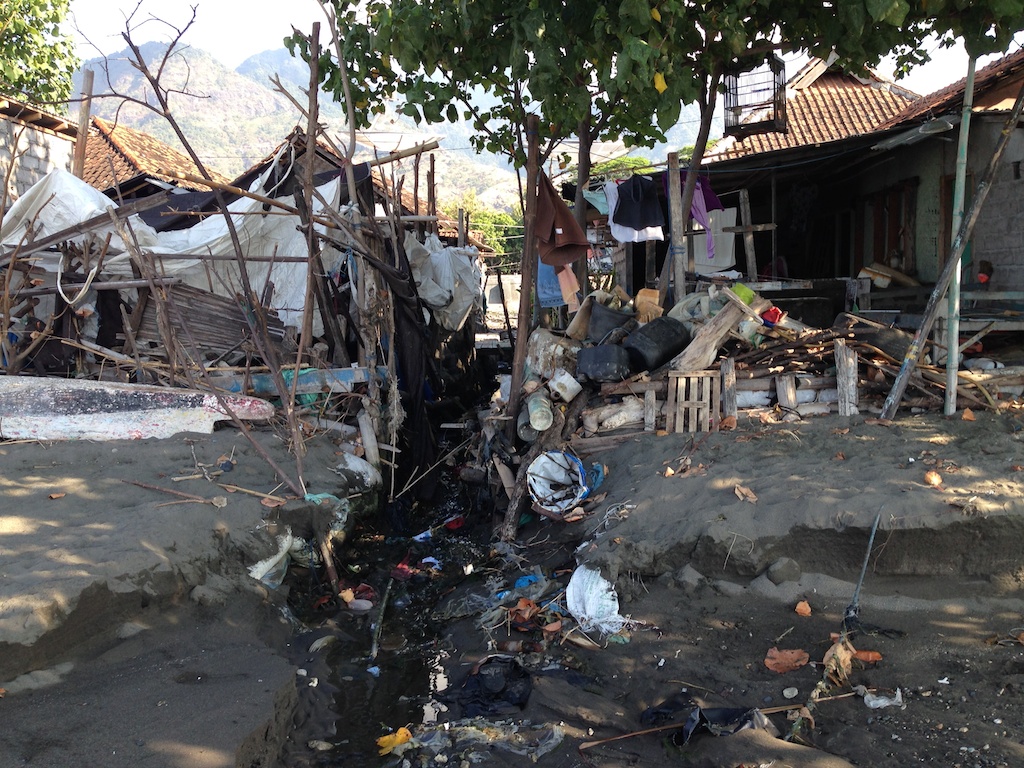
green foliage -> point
(500, 230)
(36, 58)
(617, 167)
(612, 68)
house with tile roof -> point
(805, 178)
(36, 141)
(922, 150)
(126, 163)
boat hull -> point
(40, 408)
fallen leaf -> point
(669, 471)
(319, 745)
(1017, 467)
(347, 596)
(729, 422)
(869, 657)
(266, 501)
(932, 478)
(879, 422)
(387, 743)
(57, 495)
(841, 431)
(803, 608)
(553, 628)
(745, 494)
(3, 692)
(968, 415)
(786, 660)
(838, 660)
(219, 501)
(840, 456)
(524, 611)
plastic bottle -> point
(539, 407)
(523, 427)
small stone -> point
(790, 693)
(689, 578)
(784, 569)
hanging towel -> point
(639, 206)
(560, 238)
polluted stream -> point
(373, 665)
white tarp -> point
(449, 280)
(60, 200)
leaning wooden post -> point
(899, 386)
(677, 247)
(528, 270)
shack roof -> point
(995, 87)
(823, 104)
(119, 156)
(37, 117)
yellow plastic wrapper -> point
(392, 740)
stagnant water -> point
(369, 680)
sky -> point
(233, 30)
(230, 30)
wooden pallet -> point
(694, 401)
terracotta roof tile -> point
(117, 154)
(833, 107)
(951, 98)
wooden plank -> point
(748, 237)
(674, 260)
(650, 410)
(670, 403)
(846, 377)
(729, 407)
(785, 389)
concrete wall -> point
(36, 153)
(999, 233)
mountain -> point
(234, 119)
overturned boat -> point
(41, 408)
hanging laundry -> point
(624, 233)
(639, 206)
(704, 200)
(560, 238)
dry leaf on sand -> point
(838, 660)
(968, 415)
(785, 660)
(803, 608)
(729, 422)
(745, 494)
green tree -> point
(498, 229)
(611, 68)
(37, 58)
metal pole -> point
(953, 298)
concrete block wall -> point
(999, 232)
(35, 154)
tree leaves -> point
(36, 58)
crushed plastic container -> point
(655, 343)
(563, 386)
(603, 320)
(605, 362)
